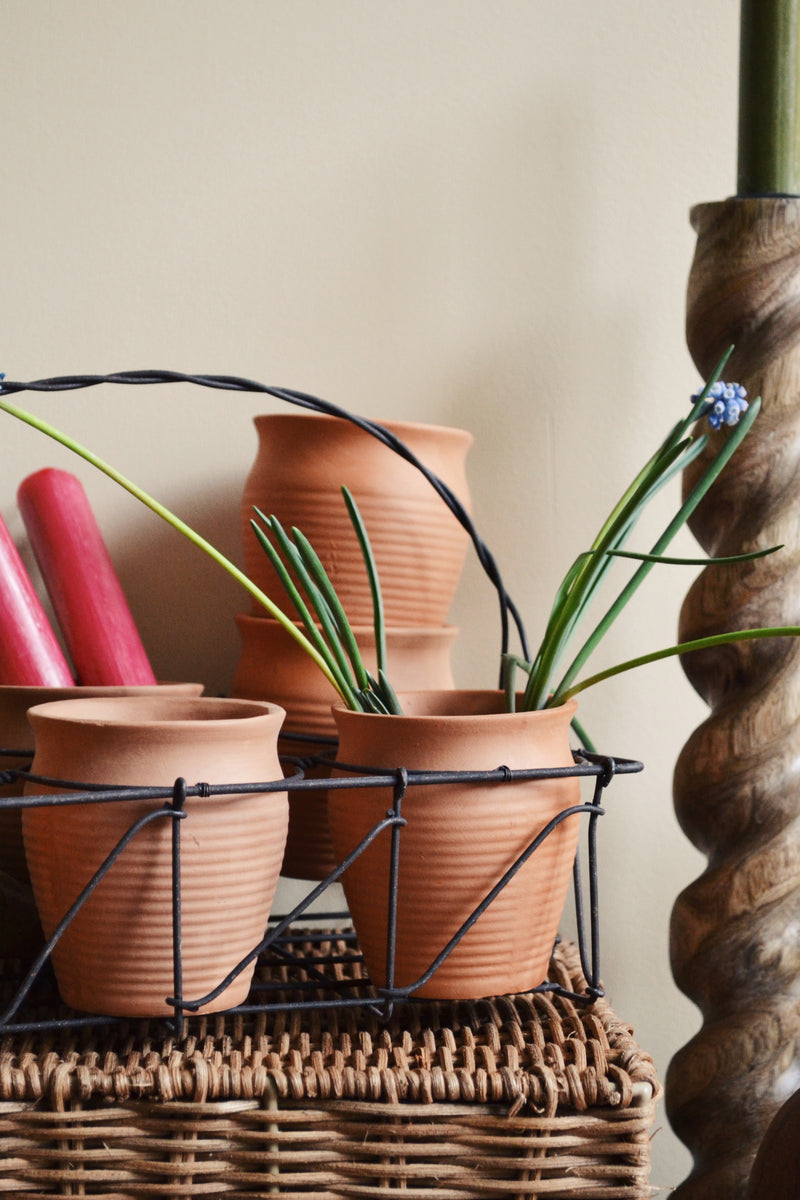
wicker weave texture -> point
(341, 1149)
(526, 1096)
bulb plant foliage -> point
(552, 675)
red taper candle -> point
(30, 655)
(87, 597)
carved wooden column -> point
(735, 937)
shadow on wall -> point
(183, 602)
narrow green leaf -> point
(371, 702)
(337, 661)
(287, 582)
(712, 472)
(563, 591)
(294, 560)
(388, 694)
(593, 569)
(378, 617)
(674, 454)
(318, 573)
(318, 599)
(696, 562)
(706, 643)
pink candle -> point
(86, 594)
(30, 655)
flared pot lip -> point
(456, 704)
(398, 427)
(365, 630)
(80, 691)
(174, 711)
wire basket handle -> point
(508, 609)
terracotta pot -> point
(274, 667)
(459, 841)
(309, 850)
(303, 459)
(16, 734)
(116, 956)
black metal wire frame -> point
(303, 400)
(283, 930)
(175, 798)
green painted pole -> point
(769, 99)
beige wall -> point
(458, 211)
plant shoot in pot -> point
(551, 675)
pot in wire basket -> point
(116, 956)
(458, 841)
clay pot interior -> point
(116, 956)
(19, 931)
(458, 842)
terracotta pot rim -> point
(101, 690)
(154, 710)
(422, 631)
(447, 698)
(397, 427)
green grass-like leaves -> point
(314, 599)
(321, 627)
(550, 682)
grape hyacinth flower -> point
(726, 403)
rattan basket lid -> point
(536, 1051)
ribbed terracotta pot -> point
(459, 841)
(16, 734)
(20, 930)
(274, 667)
(302, 461)
(116, 957)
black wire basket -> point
(324, 985)
(325, 988)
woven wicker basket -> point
(525, 1096)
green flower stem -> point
(181, 526)
(727, 450)
(593, 568)
(581, 583)
(706, 643)
(510, 664)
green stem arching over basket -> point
(186, 530)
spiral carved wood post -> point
(735, 935)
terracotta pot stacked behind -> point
(302, 462)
